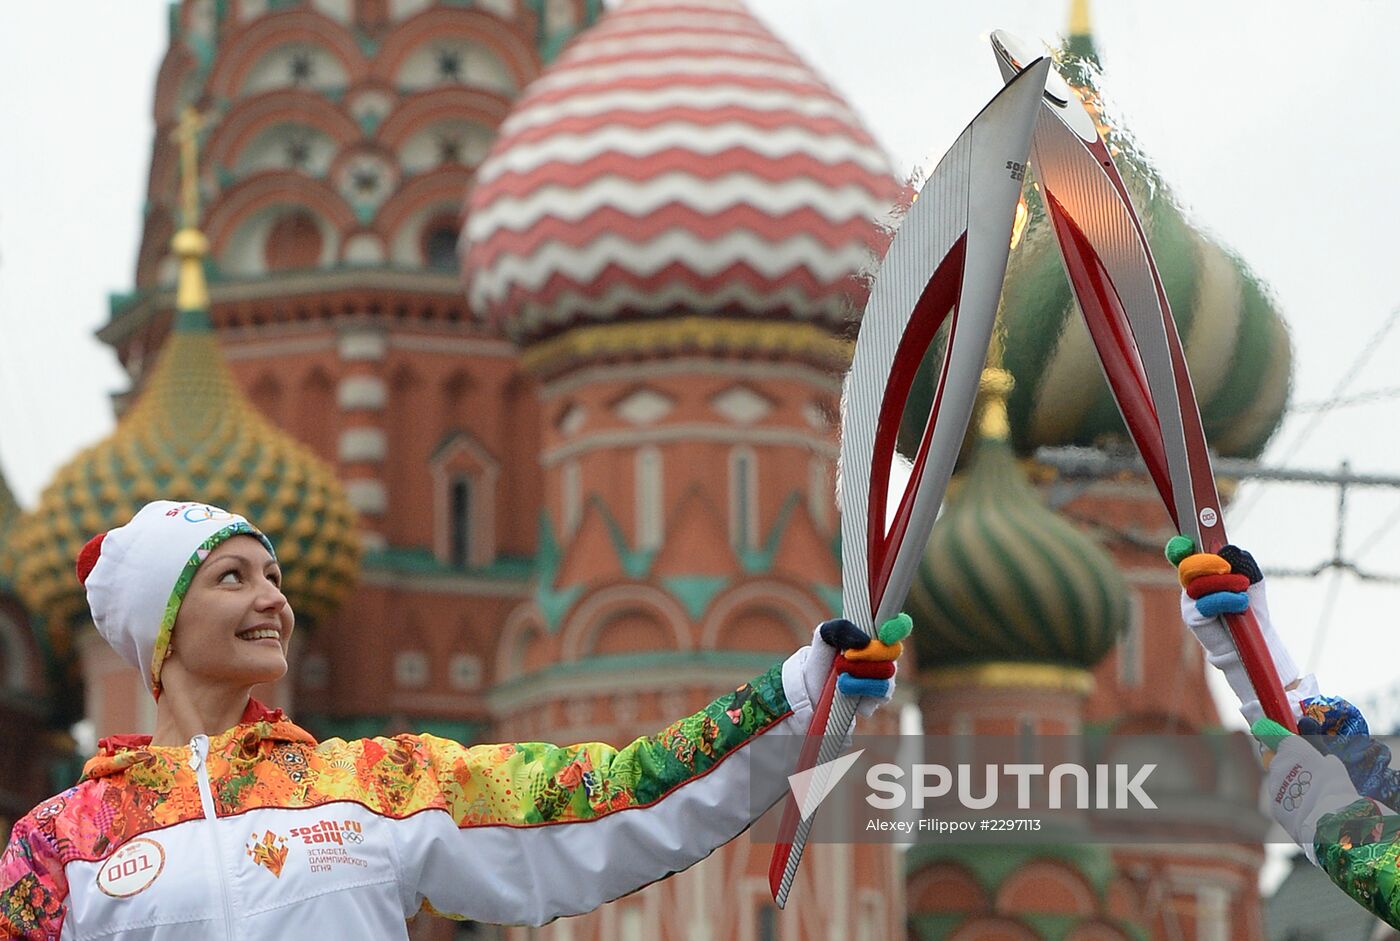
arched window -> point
(649, 509)
(743, 498)
(464, 478)
(293, 242)
(440, 244)
(459, 521)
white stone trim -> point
(367, 495)
(363, 445)
(362, 393)
(651, 510)
(361, 344)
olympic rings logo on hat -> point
(1295, 791)
(199, 513)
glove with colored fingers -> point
(1305, 787)
(865, 665)
(1230, 582)
(1336, 727)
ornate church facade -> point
(525, 331)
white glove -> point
(805, 674)
(1214, 636)
(1303, 787)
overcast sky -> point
(1276, 125)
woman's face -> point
(234, 624)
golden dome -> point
(190, 435)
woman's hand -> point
(1229, 582)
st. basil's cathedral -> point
(522, 338)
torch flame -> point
(1018, 225)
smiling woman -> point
(234, 626)
(231, 821)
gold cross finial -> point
(186, 137)
(189, 244)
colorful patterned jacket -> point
(1359, 847)
(262, 832)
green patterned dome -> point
(190, 435)
(1005, 579)
(1236, 344)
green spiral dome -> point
(1005, 579)
(1237, 346)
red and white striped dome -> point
(677, 159)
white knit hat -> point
(136, 575)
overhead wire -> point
(1242, 508)
(1363, 398)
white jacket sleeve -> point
(526, 833)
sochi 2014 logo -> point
(270, 852)
(1294, 789)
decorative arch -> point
(247, 47)
(421, 200)
(255, 115)
(1048, 886)
(945, 886)
(261, 198)
(524, 626)
(514, 49)
(595, 612)
(789, 605)
(421, 109)
(447, 143)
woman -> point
(1334, 791)
(230, 821)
